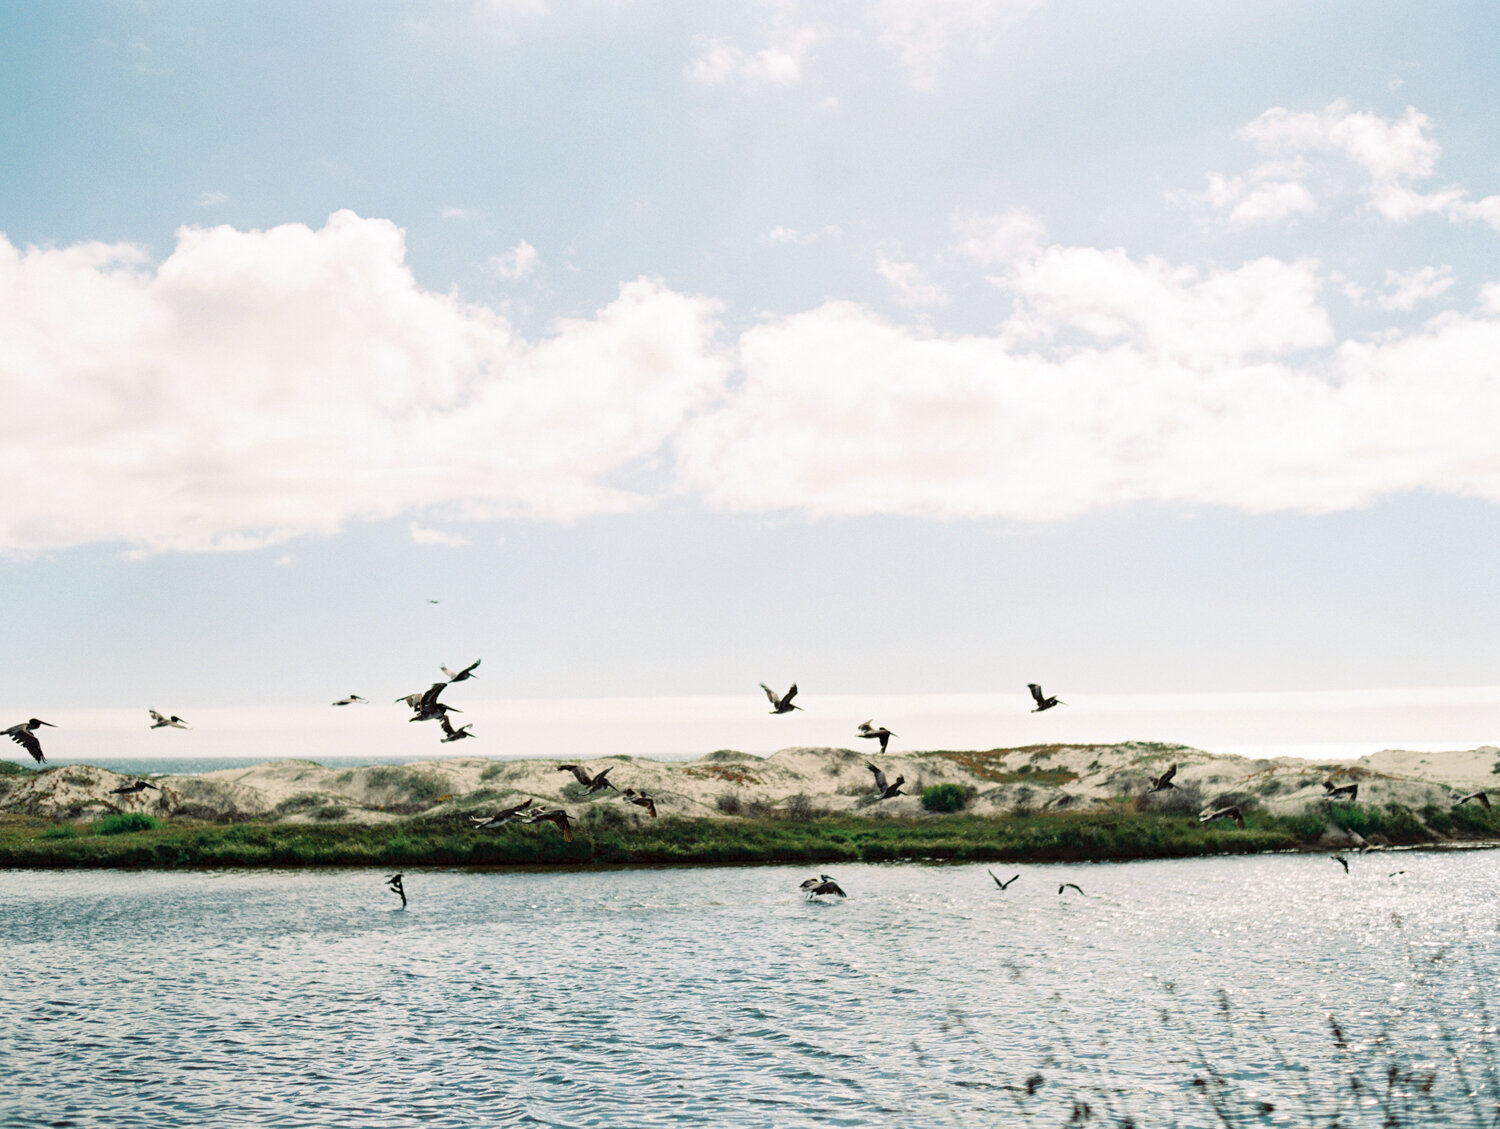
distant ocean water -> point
(191, 766)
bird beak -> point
(39, 721)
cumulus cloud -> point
(909, 284)
(211, 199)
(1403, 291)
(780, 236)
(516, 263)
(923, 33)
(779, 63)
(422, 535)
(257, 385)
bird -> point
(426, 703)
(868, 730)
(1164, 781)
(591, 784)
(128, 789)
(884, 791)
(394, 882)
(1393, 873)
(173, 722)
(434, 601)
(1482, 797)
(781, 703)
(822, 884)
(1042, 701)
(467, 672)
(1074, 885)
(22, 735)
(557, 816)
(350, 700)
(1346, 792)
(1003, 885)
(451, 734)
(501, 817)
(1231, 812)
(640, 800)
(1342, 861)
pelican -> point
(884, 791)
(1163, 782)
(1346, 792)
(1231, 812)
(822, 884)
(22, 735)
(467, 672)
(426, 704)
(130, 789)
(350, 700)
(394, 882)
(1003, 885)
(173, 722)
(781, 703)
(1071, 885)
(1482, 797)
(557, 816)
(591, 784)
(1042, 701)
(868, 730)
(640, 800)
(451, 734)
(501, 817)
(1342, 861)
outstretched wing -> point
(577, 770)
(1036, 693)
(1166, 777)
(28, 741)
(429, 699)
(790, 694)
(772, 695)
(879, 777)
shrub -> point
(729, 803)
(60, 831)
(799, 807)
(122, 823)
(944, 797)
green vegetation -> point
(125, 823)
(944, 798)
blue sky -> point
(908, 347)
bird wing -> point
(446, 724)
(471, 667)
(775, 698)
(430, 699)
(1167, 776)
(156, 717)
(1483, 798)
(577, 770)
(879, 777)
(28, 741)
(790, 694)
(1036, 693)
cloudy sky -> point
(909, 349)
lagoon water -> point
(719, 996)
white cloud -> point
(1404, 290)
(910, 285)
(449, 212)
(422, 535)
(779, 63)
(211, 199)
(780, 236)
(999, 238)
(259, 385)
(516, 263)
(923, 33)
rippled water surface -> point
(719, 996)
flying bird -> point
(1342, 861)
(467, 672)
(501, 817)
(451, 734)
(640, 800)
(394, 882)
(1482, 797)
(591, 784)
(884, 734)
(781, 703)
(884, 791)
(1042, 701)
(557, 816)
(1003, 885)
(350, 700)
(1231, 812)
(22, 735)
(173, 722)
(129, 789)
(1071, 885)
(1164, 781)
(426, 703)
(822, 884)
(1346, 792)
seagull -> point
(781, 703)
(350, 700)
(22, 735)
(426, 704)
(1482, 797)
(1342, 861)
(451, 734)
(557, 816)
(1074, 885)
(640, 800)
(174, 722)
(1042, 701)
(467, 672)
(129, 789)
(1231, 812)
(822, 884)
(1346, 792)
(591, 784)
(1003, 885)
(868, 730)
(501, 817)
(883, 790)
(1162, 782)
(394, 882)
(1393, 873)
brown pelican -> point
(1042, 701)
(1071, 885)
(451, 734)
(557, 816)
(884, 791)
(349, 701)
(868, 730)
(174, 722)
(1163, 782)
(501, 817)
(1231, 812)
(781, 703)
(1342, 861)
(426, 704)
(591, 784)
(129, 789)
(22, 735)
(822, 884)
(640, 800)
(1003, 885)
(394, 882)
(1482, 797)
(467, 672)
(1346, 792)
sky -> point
(910, 350)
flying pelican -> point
(1231, 812)
(591, 784)
(501, 817)
(426, 704)
(451, 734)
(640, 800)
(1342, 861)
(22, 735)
(394, 882)
(1347, 792)
(467, 672)
(822, 884)
(1163, 782)
(557, 816)
(1073, 885)
(129, 789)
(1482, 797)
(1003, 885)
(781, 703)
(173, 722)
(884, 791)
(1042, 701)
(868, 730)
(350, 700)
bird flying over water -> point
(451, 734)
(822, 884)
(781, 703)
(884, 791)
(1345, 792)
(1164, 781)
(557, 816)
(1342, 861)
(426, 704)
(1482, 797)
(1042, 701)
(129, 789)
(1003, 885)
(501, 817)
(24, 736)
(467, 672)
(591, 784)
(640, 800)
(394, 882)
(1071, 885)
(884, 734)
(1231, 812)
(350, 700)
(174, 722)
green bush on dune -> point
(124, 822)
(945, 797)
